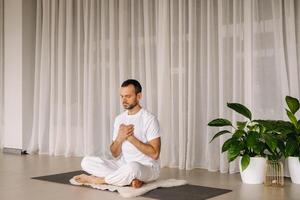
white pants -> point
(117, 172)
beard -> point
(130, 106)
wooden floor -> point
(15, 182)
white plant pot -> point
(294, 168)
(255, 172)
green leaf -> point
(291, 146)
(245, 161)
(233, 152)
(259, 128)
(298, 125)
(254, 143)
(292, 103)
(220, 122)
(252, 139)
(241, 125)
(262, 129)
(226, 145)
(258, 148)
(238, 134)
(219, 134)
(270, 141)
(292, 117)
(281, 146)
(268, 124)
(243, 110)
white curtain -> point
(191, 57)
(1, 71)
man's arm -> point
(151, 149)
(123, 134)
(115, 148)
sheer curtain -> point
(1, 70)
(192, 57)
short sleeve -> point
(115, 131)
(152, 130)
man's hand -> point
(124, 132)
(151, 149)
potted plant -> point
(249, 140)
(275, 135)
(292, 149)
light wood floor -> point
(15, 182)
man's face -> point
(128, 97)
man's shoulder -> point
(147, 115)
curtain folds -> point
(1, 71)
(191, 57)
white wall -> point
(19, 33)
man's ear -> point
(139, 96)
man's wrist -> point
(118, 141)
(130, 138)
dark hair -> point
(135, 83)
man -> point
(136, 144)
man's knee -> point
(85, 163)
(134, 168)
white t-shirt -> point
(146, 128)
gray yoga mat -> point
(184, 192)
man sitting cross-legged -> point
(136, 144)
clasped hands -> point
(125, 131)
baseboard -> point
(14, 151)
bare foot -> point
(136, 183)
(83, 178)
